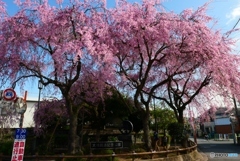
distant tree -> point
(110, 112)
(178, 132)
(113, 111)
(164, 117)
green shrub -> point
(6, 147)
(74, 159)
(169, 139)
(176, 131)
(104, 152)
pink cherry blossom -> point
(175, 58)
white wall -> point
(28, 115)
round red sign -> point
(9, 94)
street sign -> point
(19, 144)
(106, 145)
(20, 133)
(11, 104)
(9, 94)
(126, 128)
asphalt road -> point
(219, 150)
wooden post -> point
(166, 154)
(91, 158)
(113, 155)
(152, 154)
(133, 156)
(36, 157)
(63, 158)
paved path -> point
(219, 150)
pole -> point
(237, 116)
(21, 120)
(234, 138)
(233, 129)
(40, 86)
(22, 114)
(39, 97)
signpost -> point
(106, 145)
(126, 128)
(19, 144)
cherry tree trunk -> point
(146, 131)
(180, 117)
(73, 146)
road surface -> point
(219, 150)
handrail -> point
(132, 155)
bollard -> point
(133, 156)
(63, 158)
(152, 153)
(113, 156)
(36, 157)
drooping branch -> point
(22, 77)
(205, 82)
